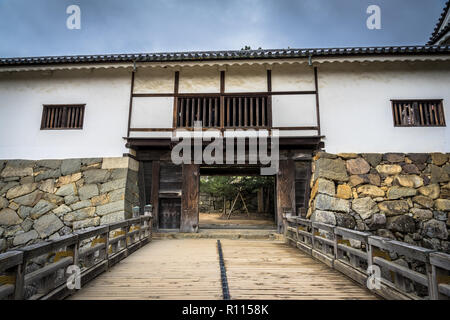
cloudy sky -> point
(38, 27)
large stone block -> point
(113, 217)
(67, 190)
(117, 163)
(394, 207)
(93, 222)
(409, 181)
(324, 217)
(377, 221)
(439, 174)
(41, 208)
(21, 190)
(3, 203)
(345, 220)
(9, 217)
(432, 191)
(117, 195)
(47, 225)
(424, 201)
(24, 238)
(442, 204)
(420, 158)
(327, 203)
(48, 174)
(439, 159)
(113, 185)
(403, 223)
(365, 207)
(357, 166)
(29, 200)
(333, 169)
(389, 170)
(96, 176)
(373, 158)
(81, 214)
(371, 191)
(435, 229)
(110, 208)
(400, 192)
(51, 164)
(17, 168)
(69, 166)
(81, 204)
(344, 191)
(88, 191)
(421, 214)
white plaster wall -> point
(355, 107)
(246, 78)
(154, 80)
(292, 77)
(152, 112)
(22, 96)
(294, 111)
(199, 80)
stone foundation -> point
(399, 196)
(46, 199)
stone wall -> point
(46, 199)
(399, 196)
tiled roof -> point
(436, 34)
(228, 55)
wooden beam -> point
(131, 102)
(175, 98)
(316, 83)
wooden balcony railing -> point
(237, 111)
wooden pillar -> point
(190, 198)
(285, 190)
(155, 192)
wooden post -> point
(285, 189)
(190, 198)
(155, 191)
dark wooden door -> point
(169, 213)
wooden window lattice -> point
(237, 111)
(62, 117)
(418, 113)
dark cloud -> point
(34, 28)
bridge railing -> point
(54, 269)
(389, 268)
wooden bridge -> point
(118, 261)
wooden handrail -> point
(372, 251)
(106, 247)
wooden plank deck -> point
(189, 269)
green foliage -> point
(228, 186)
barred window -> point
(62, 117)
(418, 113)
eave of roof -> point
(436, 35)
(227, 55)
